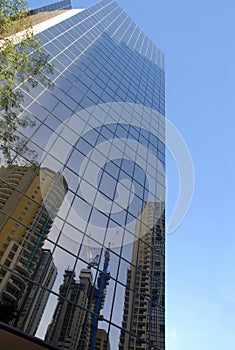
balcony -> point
(14, 286)
(15, 175)
(9, 296)
(4, 195)
(21, 268)
(20, 279)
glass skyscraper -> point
(101, 126)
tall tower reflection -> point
(144, 314)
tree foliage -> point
(23, 65)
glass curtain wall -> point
(95, 202)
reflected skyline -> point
(102, 127)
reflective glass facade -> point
(101, 128)
(60, 5)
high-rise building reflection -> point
(75, 321)
(144, 307)
(109, 80)
(25, 221)
(36, 298)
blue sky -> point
(198, 41)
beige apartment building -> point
(25, 221)
(144, 315)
